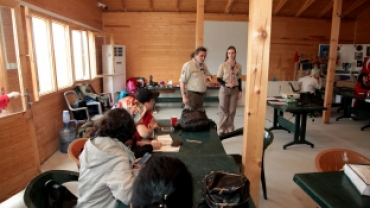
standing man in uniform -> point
(193, 78)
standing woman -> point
(230, 77)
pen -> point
(194, 141)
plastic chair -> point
(268, 138)
(87, 89)
(70, 96)
(75, 149)
(35, 195)
(334, 159)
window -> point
(80, 55)
(42, 55)
(61, 55)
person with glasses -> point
(193, 79)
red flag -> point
(296, 56)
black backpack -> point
(194, 120)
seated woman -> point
(163, 182)
(362, 87)
(106, 172)
(363, 84)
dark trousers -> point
(195, 99)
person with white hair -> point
(309, 84)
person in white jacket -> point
(106, 172)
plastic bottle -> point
(67, 134)
(66, 117)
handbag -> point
(226, 190)
(194, 120)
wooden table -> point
(299, 126)
(331, 189)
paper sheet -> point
(168, 148)
(165, 139)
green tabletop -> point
(210, 142)
(296, 108)
(353, 95)
(331, 189)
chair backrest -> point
(34, 194)
(334, 159)
(292, 87)
(70, 96)
(268, 138)
(75, 149)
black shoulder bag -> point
(226, 190)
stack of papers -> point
(166, 141)
(359, 175)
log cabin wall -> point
(362, 28)
(18, 166)
(47, 125)
(158, 44)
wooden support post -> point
(335, 25)
(199, 32)
(259, 40)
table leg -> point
(300, 131)
(345, 109)
(276, 125)
(296, 131)
(303, 131)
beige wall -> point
(159, 43)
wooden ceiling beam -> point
(151, 5)
(304, 7)
(326, 9)
(228, 6)
(279, 6)
(177, 5)
(353, 7)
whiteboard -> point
(218, 36)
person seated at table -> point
(106, 171)
(145, 122)
(147, 125)
(363, 84)
(362, 87)
(309, 85)
(163, 182)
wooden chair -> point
(75, 149)
(334, 159)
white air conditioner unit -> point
(115, 69)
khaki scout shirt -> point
(194, 78)
(224, 72)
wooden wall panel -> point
(16, 152)
(84, 11)
(362, 28)
(303, 35)
(157, 44)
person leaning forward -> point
(193, 78)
